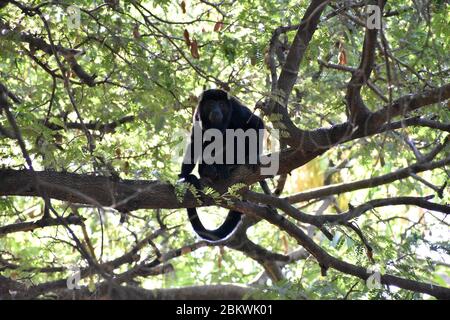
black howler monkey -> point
(218, 110)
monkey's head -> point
(215, 109)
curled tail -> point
(221, 233)
(224, 231)
(226, 228)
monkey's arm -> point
(255, 122)
(189, 159)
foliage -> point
(150, 69)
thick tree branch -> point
(305, 31)
(207, 292)
(288, 76)
(357, 110)
(142, 194)
(409, 103)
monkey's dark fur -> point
(217, 109)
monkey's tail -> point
(221, 233)
(228, 226)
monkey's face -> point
(216, 112)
